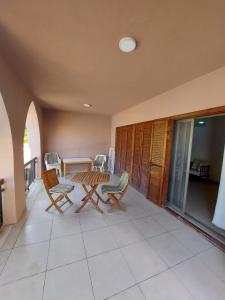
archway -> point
(7, 166)
(32, 139)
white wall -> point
(208, 144)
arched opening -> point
(26, 147)
(32, 146)
(7, 167)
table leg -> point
(99, 197)
(89, 198)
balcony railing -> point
(1, 191)
(30, 172)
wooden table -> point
(91, 179)
(76, 161)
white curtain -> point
(219, 214)
(111, 160)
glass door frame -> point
(173, 166)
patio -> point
(115, 79)
(97, 256)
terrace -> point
(69, 85)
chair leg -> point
(60, 172)
(68, 199)
(54, 203)
(115, 201)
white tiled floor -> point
(142, 253)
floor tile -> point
(214, 259)
(25, 289)
(39, 216)
(65, 250)
(199, 280)
(115, 273)
(148, 227)
(168, 221)
(65, 226)
(11, 239)
(69, 282)
(4, 254)
(191, 239)
(143, 261)
(165, 286)
(116, 217)
(92, 220)
(125, 233)
(98, 241)
(133, 293)
(34, 233)
(25, 261)
(4, 234)
(136, 211)
(110, 274)
(170, 249)
(153, 208)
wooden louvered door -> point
(118, 150)
(123, 149)
(145, 157)
(137, 145)
(159, 160)
(129, 149)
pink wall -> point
(204, 92)
(16, 101)
(7, 165)
(74, 134)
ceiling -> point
(67, 54)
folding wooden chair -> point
(53, 186)
(115, 193)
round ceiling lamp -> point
(87, 105)
(127, 44)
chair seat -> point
(97, 164)
(110, 189)
(61, 189)
(55, 165)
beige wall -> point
(208, 144)
(16, 101)
(74, 134)
(204, 92)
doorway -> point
(198, 153)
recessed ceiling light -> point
(127, 44)
(87, 105)
(201, 122)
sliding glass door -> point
(179, 175)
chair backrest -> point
(52, 158)
(50, 179)
(124, 180)
(100, 159)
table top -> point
(77, 160)
(91, 178)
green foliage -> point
(25, 140)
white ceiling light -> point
(87, 105)
(127, 44)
